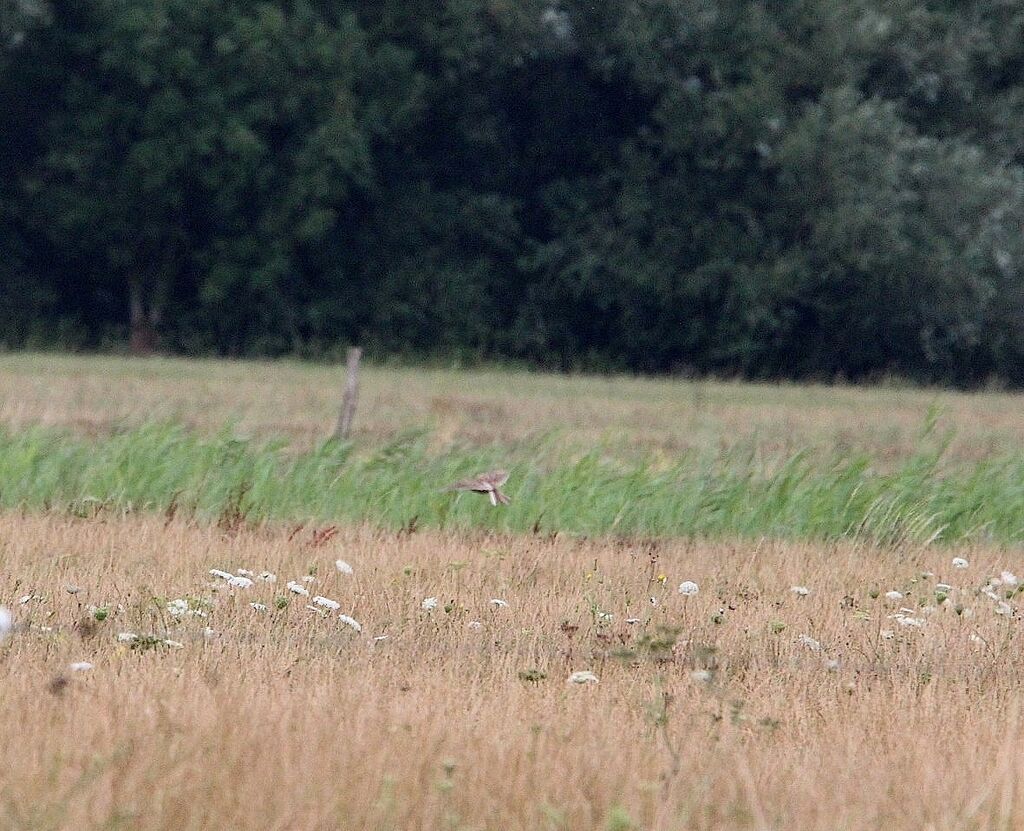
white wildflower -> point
(224, 575)
(174, 644)
(25, 598)
(259, 607)
(687, 588)
(809, 642)
(887, 634)
(318, 610)
(429, 604)
(976, 638)
(1003, 608)
(583, 677)
(343, 567)
(605, 617)
(831, 664)
(894, 595)
(380, 638)
(80, 666)
(632, 620)
(654, 600)
(913, 622)
(474, 624)
(177, 608)
(243, 572)
(989, 593)
(297, 588)
(800, 591)
(240, 582)
(72, 589)
(327, 603)
(267, 577)
(309, 578)
(351, 621)
(945, 588)
(209, 633)
(701, 676)
(6, 622)
(960, 562)
(1009, 578)
(499, 603)
(127, 637)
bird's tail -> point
(498, 497)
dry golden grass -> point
(288, 720)
(95, 394)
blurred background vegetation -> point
(782, 188)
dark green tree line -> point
(773, 189)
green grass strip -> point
(734, 492)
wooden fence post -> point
(348, 398)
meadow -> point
(298, 402)
(746, 705)
(710, 605)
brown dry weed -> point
(748, 705)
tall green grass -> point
(159, 467)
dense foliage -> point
(795, 188)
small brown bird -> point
(489, 483)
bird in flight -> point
(489, 483)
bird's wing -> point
(482, 483)
(494, 478)
(473, 484)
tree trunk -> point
(141, 323)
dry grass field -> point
(163, 668)
(746, 705)
(93, 395)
